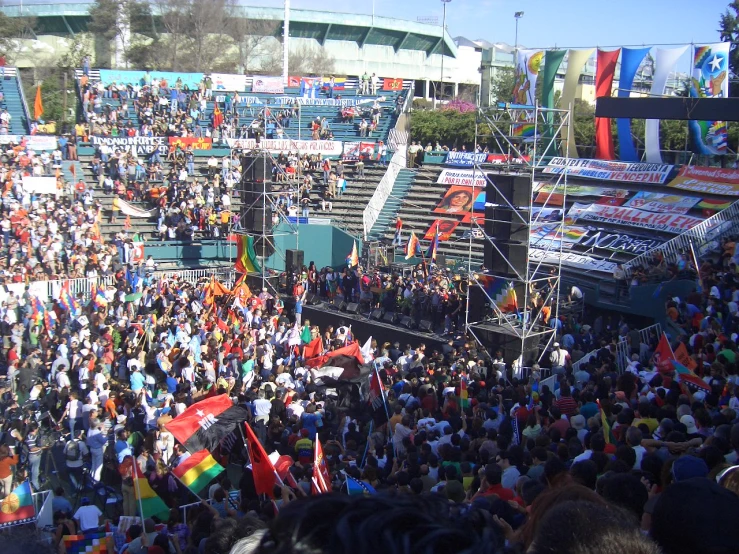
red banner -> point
(606, 69)
(196, 143)
(446, 228)
(392, 84)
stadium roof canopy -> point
(68, 17)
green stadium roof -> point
(70, 18)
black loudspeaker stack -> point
(256, 210)
(294, 262)
(504, 226)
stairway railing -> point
(22, 93)
(712, 229)
(398, 161)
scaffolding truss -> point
(524, 333)
(264, 199)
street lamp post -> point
(443, 30)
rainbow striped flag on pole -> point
(150, 504)
(198, 470)
(246, 257)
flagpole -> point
(136, 474)
(366, 448)
(188, 488)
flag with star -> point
(204, 424)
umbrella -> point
(133, 297)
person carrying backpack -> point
(75, 452)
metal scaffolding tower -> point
(524, 332)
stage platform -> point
(362, 327)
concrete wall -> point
(325, 245)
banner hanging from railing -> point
(662, 203)
(144, 146)
(470, 159)
(355, 150)
(610, 171)
(625, 243)
(275, 146)
(228, 82)
(710, 180)
(201, 143)
(39, 185)
(464, 177)
(128, 77)
(267, 84)
(670, 223)
(571, 259)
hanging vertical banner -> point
(631, 59)
(665, 61)
(552, 61)
(575, 60)
(527, 71)
(605, 71)
(710, 79)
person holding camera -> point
(75, 452)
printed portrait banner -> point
(144, 146)
(275, 146)
(670, 223)
(446, 229)
(126, 77)
(662, 203)
(571, 259)
(267, 84)
(466, 177)
(543, 215)
(710, 180)
(611, 171)
(710, 79)
(353, 150)
(39, 185)
(229, 82)
(619, 242)
(202, 143)
(457, 200)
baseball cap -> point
(689, 467)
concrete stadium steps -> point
(389, 212)
(348, 208)
(13, 102)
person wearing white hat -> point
(558, 357)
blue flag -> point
(358, 487)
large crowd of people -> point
(465, 446)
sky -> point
(548, 23)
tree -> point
(116, 20)
(448, 127)
(12, 29)
(501, 87)
(249, 35)
(729, 31)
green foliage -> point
(729, 31)
(449, 127)
(52, 94)
(11, 29)
(501, 87)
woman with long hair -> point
(6, 473)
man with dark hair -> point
(490, 483)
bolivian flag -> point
(246, 257)
(18, 506)
(198, 470)
(150, 503)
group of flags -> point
(413, 247)
(680, 362)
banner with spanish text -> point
(669, 223)
(467, 177)
(662, 203)
(275, 146)
(129, 77)
(710, 180)
(571, 259)
(446, 229)
(201, 143)
(392, 84)
(457, 200)
(470, 159)
(582, 190)
(143, 146)
(655, 173)
(267, 84)
(132, 211)
(623, 243)
(710, 79)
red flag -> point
(222, 325)
(313, 348)
(682, 356)
(321, 475)
(663, 355)
(605, 70)
(261, 467)
(349, 351)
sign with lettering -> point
(143, 146)
(621, 215)
(610, 171)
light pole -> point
(517, 15)
(443, 30)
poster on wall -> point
(710, 79)
(143, 146)
(542, 215)
(275, 146)
(710, 180)
(457, 200)
(464, 177)
(610, 171)
(355, 150)
(552, 235)
(392, 84)
(267, 84)
(129, 77)
(201, 143)
(446, 228)
(228, 82)
(670, 223)
(662, 203)
(39, 185)
(625, 243)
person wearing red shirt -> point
(490, 484)
(566, 404)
